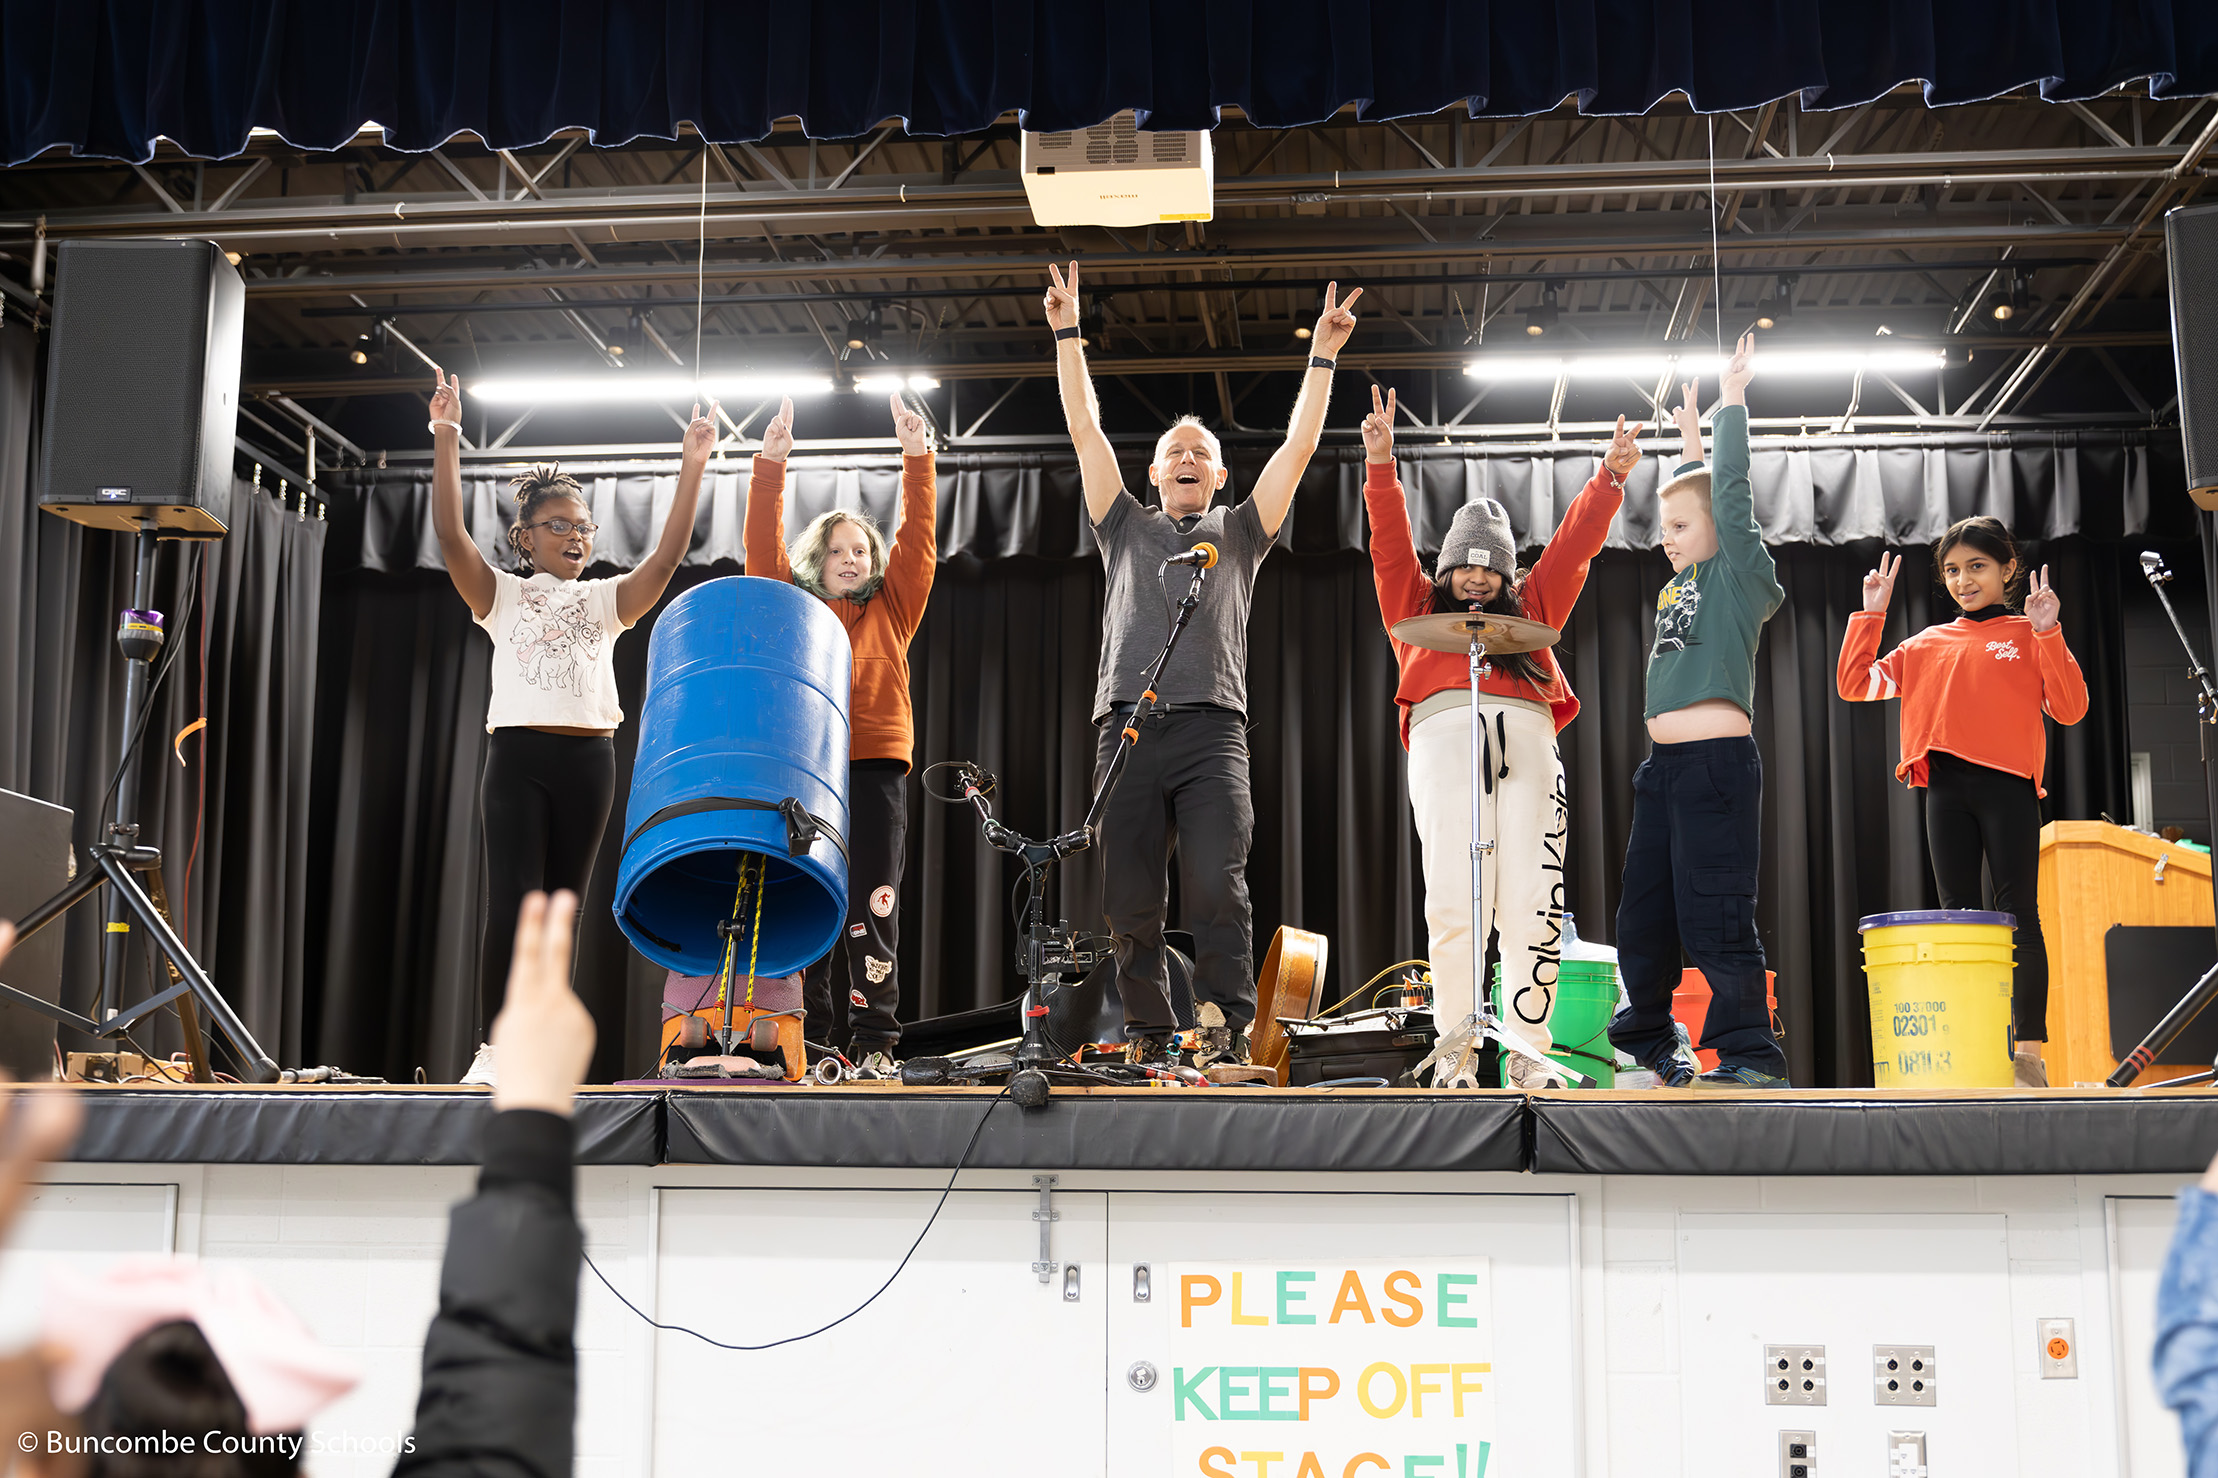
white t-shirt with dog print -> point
(553, 653)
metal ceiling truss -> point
(1887, 217)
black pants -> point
(1690, 882)
(1186, 783)
(863, 959)
(1974, 814)
(544, 802)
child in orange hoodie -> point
(1973, 691)
(878, 594)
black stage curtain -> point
(231, 817)
(108, 76)
(1003, 674)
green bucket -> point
(1586, 999)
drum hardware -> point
(1480, 635)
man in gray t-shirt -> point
(1186, 782)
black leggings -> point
(544, 803)
(1974, 813)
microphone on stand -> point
(1204, 555)
(2152, 567)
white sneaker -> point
(480, 1074)
(876, 1065)
(1533, 1076)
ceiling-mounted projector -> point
(1113, 174)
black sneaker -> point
(1739, 1075)
(1156, 1049)
(1676, 1066)
(1216, 1044)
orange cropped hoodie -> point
(880, 723)
(1974, 689)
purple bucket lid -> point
(1934, 916)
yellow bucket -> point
(1940, 998)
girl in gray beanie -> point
(1522, 704)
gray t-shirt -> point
(1211, 663)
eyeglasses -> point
(562, 528)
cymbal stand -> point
(1458, 1047)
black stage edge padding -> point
(2115, 1134)
(198, 1126)
(1225, 1129)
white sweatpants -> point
(1525, 816)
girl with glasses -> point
(550, 767)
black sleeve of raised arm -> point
(499, 1396)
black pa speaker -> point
(2191, 251)
(142, 385)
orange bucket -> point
(1690, 1004)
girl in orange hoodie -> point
(1973, 692)
(878, 594)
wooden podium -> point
(2094, 875)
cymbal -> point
(1451, 631)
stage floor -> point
(888, 1127)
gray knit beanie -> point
(1479, 536)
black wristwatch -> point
(1318, 361)
(1067, 333)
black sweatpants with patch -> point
(856, 985)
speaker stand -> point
(116, 864)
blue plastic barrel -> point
(743, 745)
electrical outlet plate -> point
(2059, 1349)
(1798, 1455)
(1906, 1455)
(1904, 1375)
(1794, 1375)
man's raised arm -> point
(1274, 487)
(1097, 464)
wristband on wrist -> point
(1067, 333)
(433, 426)
(1318, 361)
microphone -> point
(1204, 555)
(2152, 567)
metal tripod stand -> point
(116, 865)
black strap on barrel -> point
(803, 827)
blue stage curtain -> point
(107, 76)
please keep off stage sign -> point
(1372, 1370)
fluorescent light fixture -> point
(580, 389)
(1769, 363)
(886, 384)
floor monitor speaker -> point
(142, 385)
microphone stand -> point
(1051, 953)
(2205, 990)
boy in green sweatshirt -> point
(1691, 862)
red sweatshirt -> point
(879, 723)
(1974, 689)
(1550, 591)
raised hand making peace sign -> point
(1334, 325)
(777, 437)
(1378, 428)
(1624, 453)
(2041, 603)
(1879, 584)
(1061, 301)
